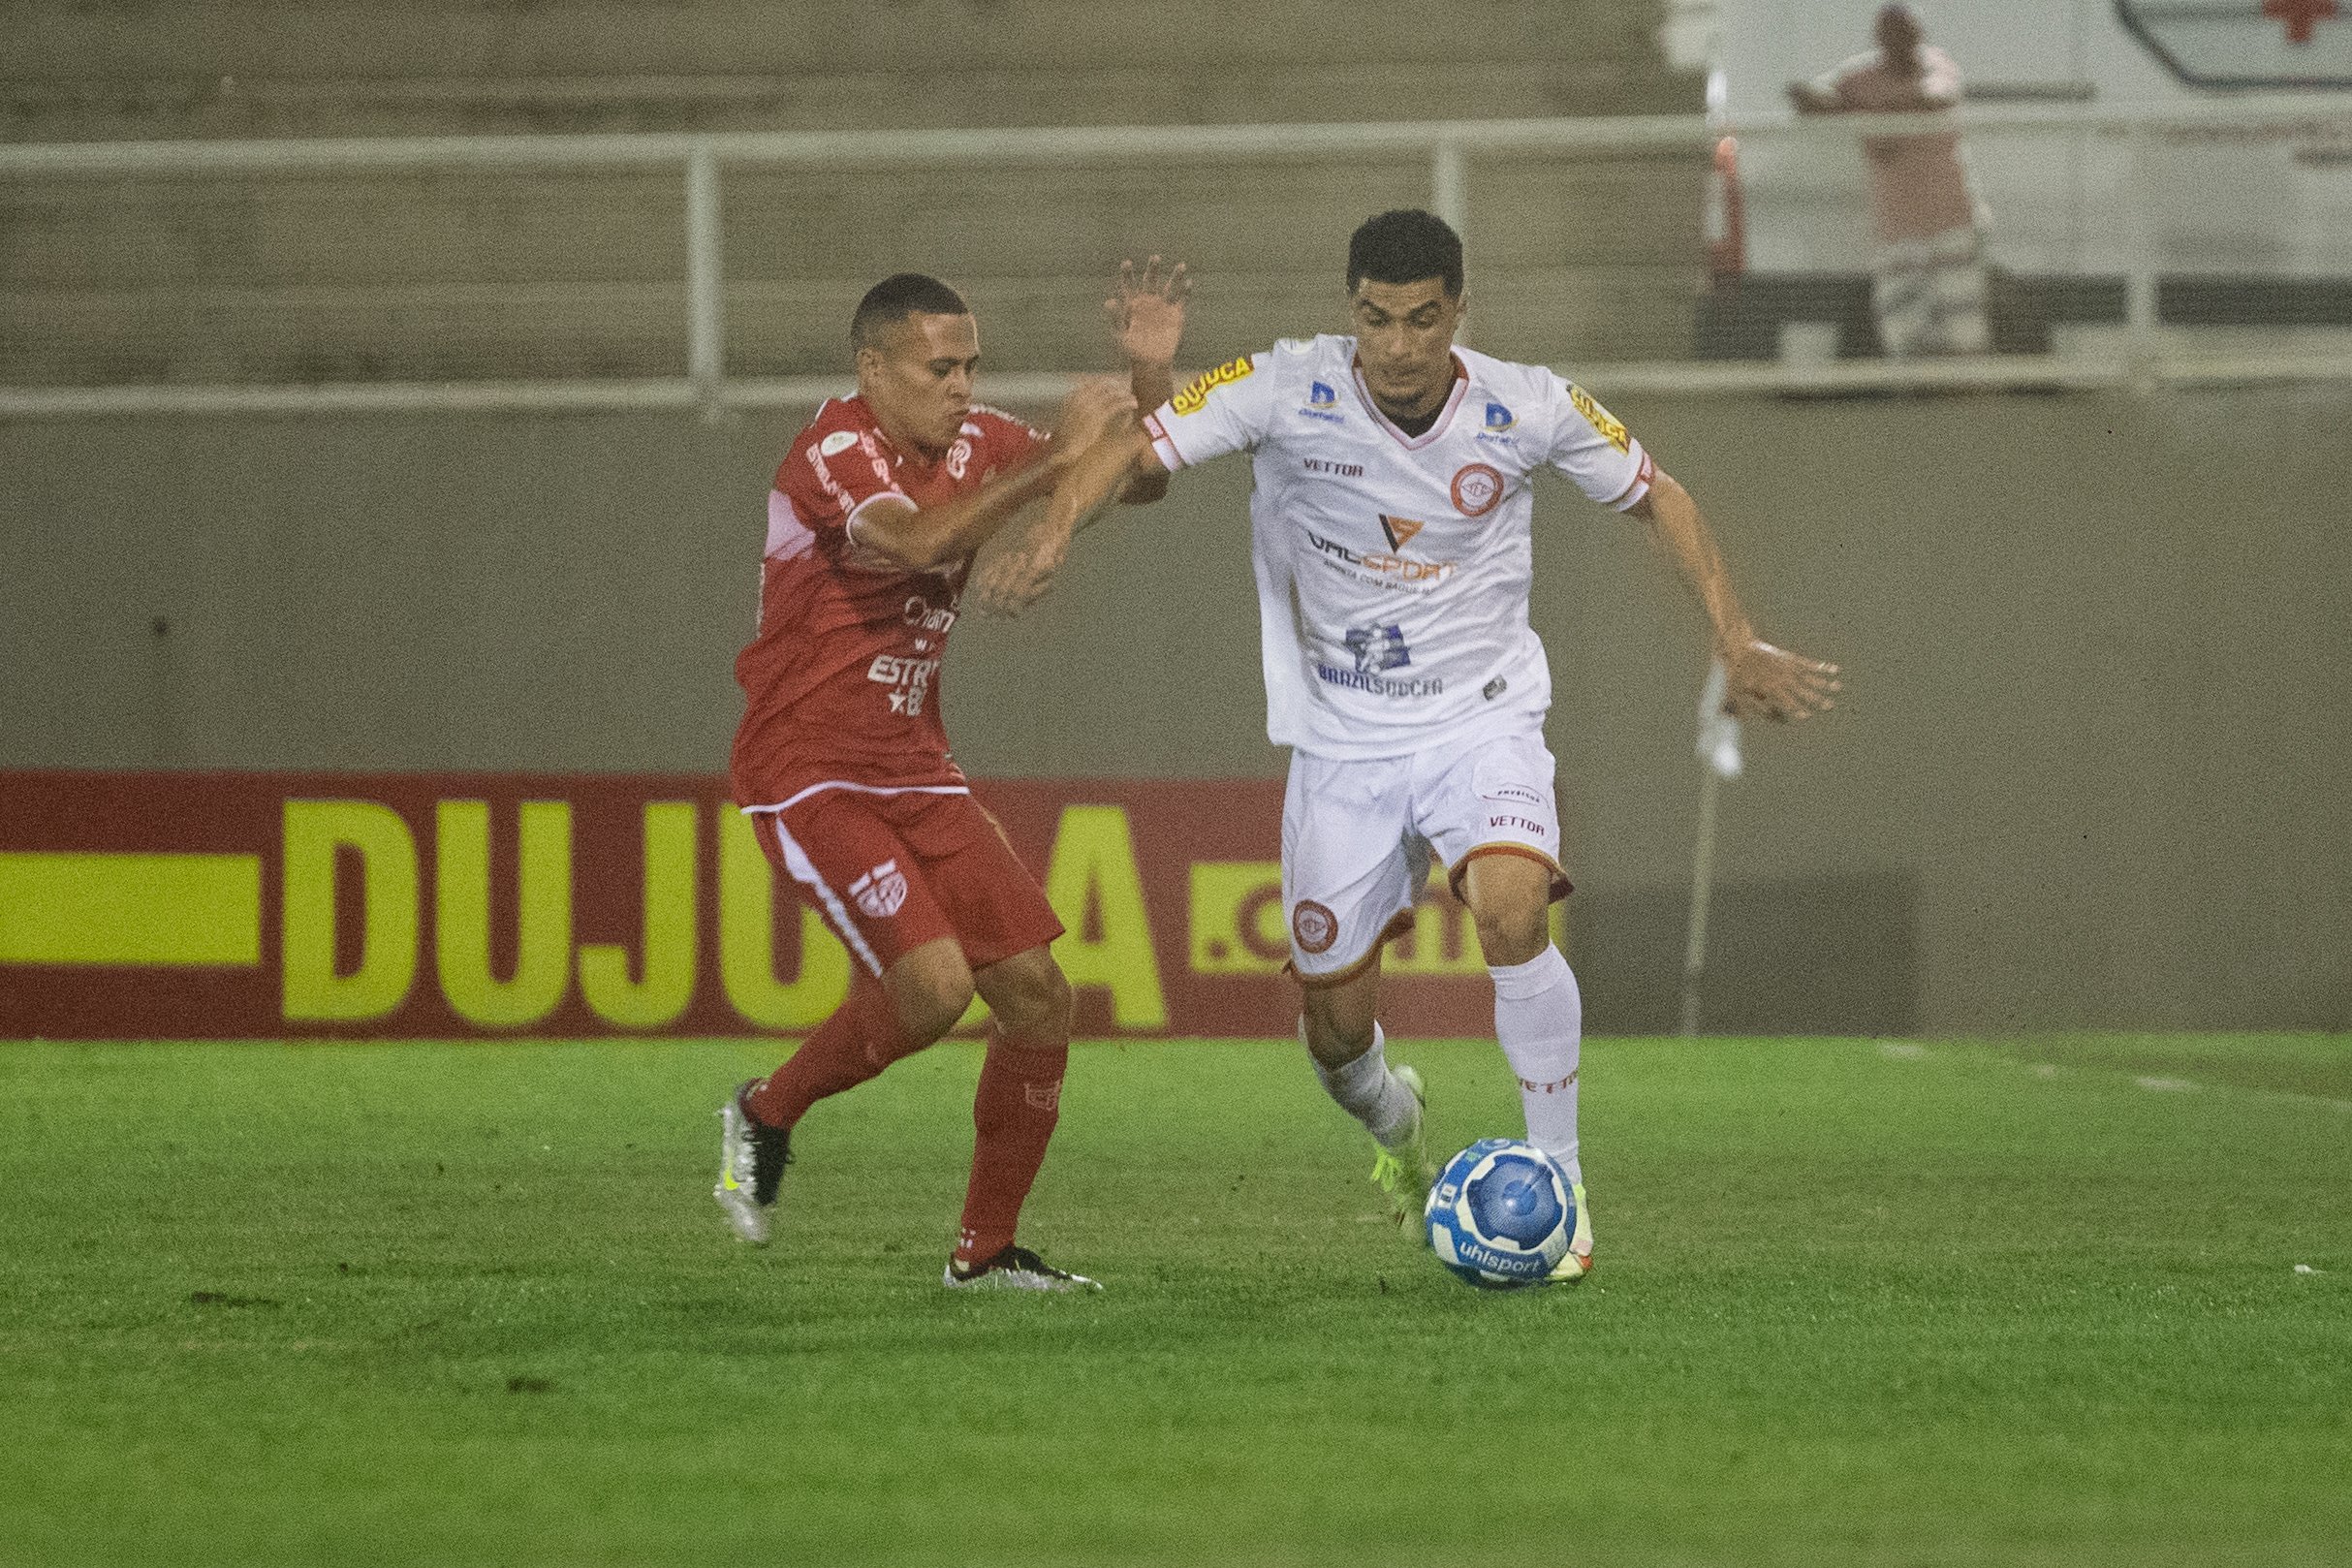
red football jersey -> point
(842, 683)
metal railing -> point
(1453, 150)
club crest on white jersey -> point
(1393, 570)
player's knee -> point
(934, 1012)
(1515, 933)
(1333, 1039)
(1037, 1000)
(930, 989)
(1029, 994)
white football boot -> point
(751, 1168)
(1013, 1267)
(1577, 1261)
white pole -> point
(1719, 759)
(1449, 185)
(706, 286)
(1701, 891)
(2143, 340)
(1450, 196)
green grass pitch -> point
(1858, 1302)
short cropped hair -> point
(898, 297)
(1404, 246)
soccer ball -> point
(1500, 1214)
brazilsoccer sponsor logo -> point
(837, 443)
(1384, 567)
(1610, 427)
(1194, 397)
(1044, 1096)
(1379, 649)
(882, 891)
(1313, 927)
(1324, 465)
(1515, 794)
(1322, 403)
(1477, 487)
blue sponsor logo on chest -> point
(1322, 403)
(1500, 422)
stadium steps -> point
(302, 67)
(448, 276)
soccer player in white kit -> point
(1391, 539)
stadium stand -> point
(429, 277)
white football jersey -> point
(1393, 570)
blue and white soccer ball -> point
(1500, 1214)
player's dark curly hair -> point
(1404, 246)
(898, 297)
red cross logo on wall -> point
(2299, 15)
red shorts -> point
(890, 870)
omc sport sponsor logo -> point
(1194, 397)
(1383, 565)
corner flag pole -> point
(1719, 756)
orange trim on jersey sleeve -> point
(1561, 887)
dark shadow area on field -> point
(1811, 955)
(2319, 1065)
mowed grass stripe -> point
(423, 1303)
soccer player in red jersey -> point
(842, 764)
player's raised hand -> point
(1777, 683)
(1093, 405)
(1147, 311)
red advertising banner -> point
(407, 905)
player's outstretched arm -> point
(1147, 315)
(923, 539)
(1761, 677)
(1012, 579)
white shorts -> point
(1357, 839)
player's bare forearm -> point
(1015, 577)
(1146, 314)
(1681, 527)
(920, 540)
(1762, 678)
(1154, 385)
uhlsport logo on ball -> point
(1500, 1214)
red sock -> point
(1020, 1100)
(862, 1038)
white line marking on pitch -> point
(2168, 1086)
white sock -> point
(1368, 1091)
(1539, 1017)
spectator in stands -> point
(1928, 283)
